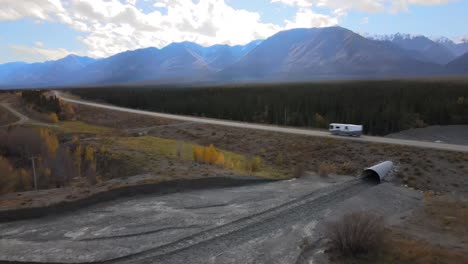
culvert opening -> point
(371, 177)
(377, 173)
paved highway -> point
(287, 130)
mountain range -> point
(293, 55)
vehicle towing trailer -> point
(346, 129)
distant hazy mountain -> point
(176, 62)
(459, 65)
(293, 55)
(123, 67)
(8, 69)
(458, 49)
(40, 74)
(332, 52)
(218, 57)
(422, 47)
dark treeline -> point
(42, 102)
(381, 106)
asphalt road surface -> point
(288, 130)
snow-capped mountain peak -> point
(392, 37)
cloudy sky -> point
(39, 30)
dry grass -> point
(442, 171)
(6, 117)
(153, 147)
(356, 234)
(115, 119)
(325, 169)
(446, 215)
(401, 249)
(72, 127)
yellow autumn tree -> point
(220, 159)
(53, 117)
(89, 153)
(50, 141)
(198, 153)
(12, 180)
(208, 155)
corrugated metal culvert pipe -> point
(378, 172)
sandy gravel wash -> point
(194, 249)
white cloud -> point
(113, 26)
(39, 43)
(38, 53)
(43, 10)
(368, 6)
(132, 2)
(306, 18)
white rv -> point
(346, 130)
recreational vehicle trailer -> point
(346, 130)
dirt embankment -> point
(17, 206)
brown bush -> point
(326, 169)
(253, 164)
(356, 233)
(300, 171)
(12, 180)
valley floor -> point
(429, 187)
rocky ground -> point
(263, 223)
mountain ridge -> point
(294, 55)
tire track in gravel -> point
(214, 241)
(217, 240)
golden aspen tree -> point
(50, 141)
(53, 118)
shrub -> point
(12, 180)
(320, 121)
(68, 112)
(53, 118)
(279, 161)
(356, 233)
(254, 165)
(299, 171)
(208, 155)
(326, 169)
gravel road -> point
(22, 119)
